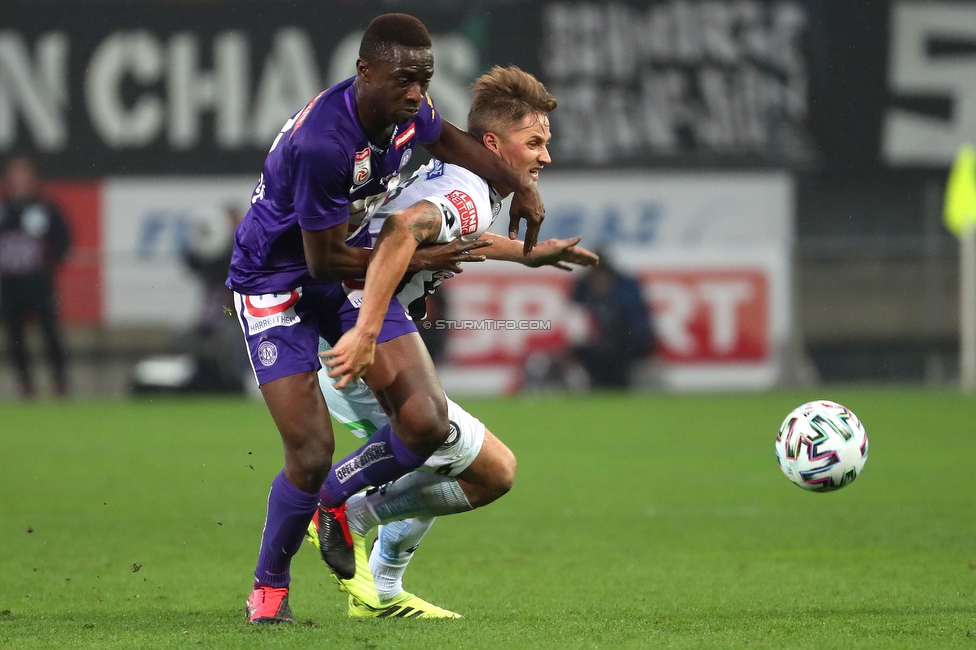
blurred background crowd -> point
(763, 178)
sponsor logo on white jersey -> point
(271, 310)
(466, 210)
(436, 170)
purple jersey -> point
(322, 171)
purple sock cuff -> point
(291, 495)
(382, 459)
(403, 455)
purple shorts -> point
(282, 329)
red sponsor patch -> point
(466, 210)
(405, 136)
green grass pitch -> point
(636, 521)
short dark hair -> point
(388, 30)
(504, 97)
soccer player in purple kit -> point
(331, 166)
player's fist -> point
(350, 358)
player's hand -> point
(561, 253)
(526, 204)
(447, 257)
(350, 358)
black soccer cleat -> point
(335, 541)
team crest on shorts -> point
(267, 353)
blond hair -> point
(504, 97)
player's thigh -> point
(300, 413)
(355, 406)
(403, 378)
(281, 334)
(298, 410)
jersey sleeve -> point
(464, 204)
(321, 173)
(428, 121)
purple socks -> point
(382, 459)
(289, 511)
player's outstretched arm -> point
(449, 256)
(402, 232)
(460, 148)
(553, 252)
(329, 257)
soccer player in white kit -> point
(509, 114)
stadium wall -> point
(860, 104)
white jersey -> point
(468, 208)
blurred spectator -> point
(208, 256)
(621, 332)
(217, 347)
(34, 239)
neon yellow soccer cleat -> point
(406, 605)
(361, 585)
(363, 599)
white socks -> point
(404, 510)
(417, 494)
(395, 544)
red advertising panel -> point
(502, 318)
(700, 315)
(79, 281)
(710, 315)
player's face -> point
(398, 84)
(20, 178)
(525, 146)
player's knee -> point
(497, 481)
(308, 472)
(309, 463)
(425, 426)
(504, 475)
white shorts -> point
(356, 408)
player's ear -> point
(362, 69)
(491, 141)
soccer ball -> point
(821, 446)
